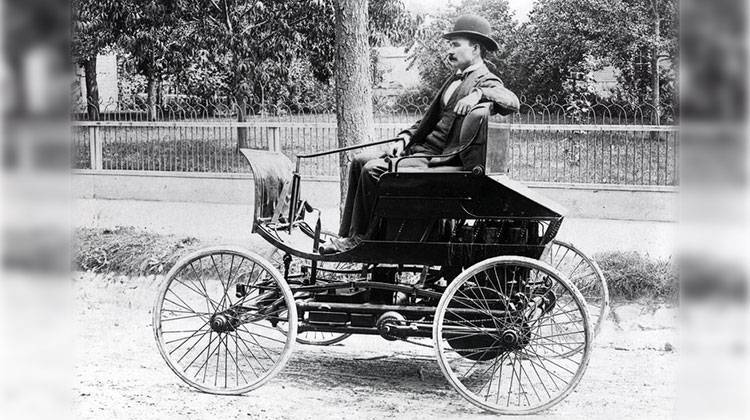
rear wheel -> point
(585, 274)
(328, 272)
(215, 320)
(512, 335)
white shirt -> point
(456, 83)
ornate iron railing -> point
(551, 141)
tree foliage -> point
(153, 35)
(269, 51)
(95, 26)
(562, 42)
(390, 23)
(552, 47)
(625, 32)
(244, 49)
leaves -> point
(96, 26)
(236, 48)
(562, 42)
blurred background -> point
(677, 68)
(35, 303)
(714, 209)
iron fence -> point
(550, 141)
(532, 110)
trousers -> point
(365, 170)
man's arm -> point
(504, 101)
(411, 130)
(490, 89)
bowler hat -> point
(473, 27)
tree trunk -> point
(92, 89)
(655, 85)
(242, 140)
(354, 118)
(151, 97)
(159, 93)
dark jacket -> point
(438, 130)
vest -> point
(443, 134)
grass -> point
(633, 276)
(595, 157)
(128, 251)
(564, 156)
(134, 252)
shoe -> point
(336, 245)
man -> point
(437, 132)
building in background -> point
(107, 80)
(393, 64)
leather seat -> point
(432, 169)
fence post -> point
(95, 148)
(274, 143)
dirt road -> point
(119, 373)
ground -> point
(120, 374)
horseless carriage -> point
(461, 257)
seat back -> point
(497, 157)
(473, 138)
(483, 147)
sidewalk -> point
(231, 223)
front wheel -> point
(215, 320)
(512, 335)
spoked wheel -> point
(494, 340)
(321, 338)
(215, 320)
(317, 338)
(585, 274)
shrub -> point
(631, 275)
(127, 250)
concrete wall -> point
(582, 200)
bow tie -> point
(458, 76)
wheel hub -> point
(223, 322)
(515, 337)
(388, 325)
(510, 334)
(510, 338)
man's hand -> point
(398, 150)
(464, 105)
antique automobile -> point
(463, 260)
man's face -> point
(461, 53)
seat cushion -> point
(433, 169)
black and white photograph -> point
(375, 209)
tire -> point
(235, 299)
(320, 338)
(496, 328)
(317, 338)
(585, 274)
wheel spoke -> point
(584, 274)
